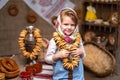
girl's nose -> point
(69, 26)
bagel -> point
(9, 74)
(2, 76)
(9, 64)
(111, 39)
(31, 17)
(114, 18)
(31, 55)
(13, 10)
(68, 64)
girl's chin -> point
(68, 33)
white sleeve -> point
(82, 47)
(50, 52)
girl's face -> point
(67, 25)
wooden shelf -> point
(99, 25)
(103, 11)
(102, 2)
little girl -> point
(65, 49)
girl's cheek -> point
(63, 29)
(73, 27)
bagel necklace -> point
(38, 45)
(68, 63)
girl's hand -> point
(77, 52)
(62, 54)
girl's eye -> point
(66, 24)
(72, 24)
(69, 24)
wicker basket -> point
(98, 59)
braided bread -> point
(35, 68)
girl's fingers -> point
(65, 53)
(73, 49)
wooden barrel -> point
(98, 59)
